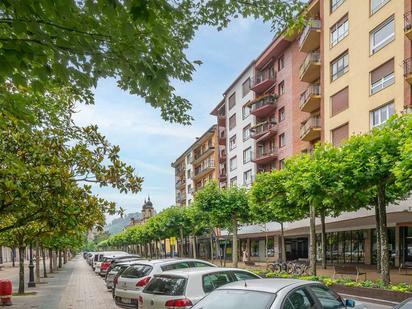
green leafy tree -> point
(227, 208)
(269, 202)
(46, 44)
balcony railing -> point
(313, 25)
(312, 91)
(264, 80)
(262, 152)
(200, 154)
(267, 100)
(407, 70)
(312, 123)
(262, 128)
(201, 169)
(180, 182)
(311, 58)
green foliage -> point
(46, 44)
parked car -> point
(273, 294)
(108, 260)
(99, 256)
(406, 304)
(186, 287)
(137, 276)
(116, 271)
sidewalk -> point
(12, 273)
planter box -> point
(378, 294)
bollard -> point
(6, 289)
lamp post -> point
(31, 283)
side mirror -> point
(350, 303)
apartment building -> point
(235, 122)
(348, 71)
(196, 166)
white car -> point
(133, 279)
(275, 294)
(98, 258)
(186, 287)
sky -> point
(150, 144)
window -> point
(382, 77)
(232, 101)
(200, 264)
(137, 271)
(340, 101)
(233, 163)
(281, 164)
(213, 281)
(246, 87)
(326, 297)
(339, 31)
(340, 134)
(382, 35)
(246, 133)
(166, 285)
(281, 63)
(242, 275)
(281, 114)
(377, 4)
(233, 181)
(247, 177)
(232, 142)
(339, 66)
(232, 122)
(245, 111)
(381, 115)
(282, 140)
(299, 298)
(281, 88)
(247, 155)
(334, 4)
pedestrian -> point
(245, 256)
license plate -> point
(126, 300)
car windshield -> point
(137, 271)
(166, 285)
(236, 299)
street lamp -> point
(31, 283)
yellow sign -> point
(173, 241)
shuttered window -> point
(232, 122)
(382, 77)
(340, 101)
(340, 134)
(232, 101)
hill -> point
(117, 225)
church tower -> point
(147, 210)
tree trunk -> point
(282, 240)
(385, 270)
(60, 259)
(211, 248)
(37, 261)
(13, 252)
(21, 270)
(194, 247)
(55, 260)
(224, 253)
(50, 260)
(64, 256)
(378, 237)
(323, 238)
(235, 258)
(181, 242)
(312, 240)
(43, 254)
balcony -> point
(222, 138)
(263, 81)
(180, 183)
(263, 105)
(407, 28)
(263, 130)
(310, 38)
(407, 70)
(181, 199)
(310, 69)
(310, 130)
(204, 169)
(221, 118)
(198, 157)
(265, 154)
(222, 157)
(310, 99)
(179, 171)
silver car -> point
(134, 278)
(185, 287)
(275, 294)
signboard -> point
(173, 241)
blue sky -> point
(146, 141)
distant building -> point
(148, 211)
